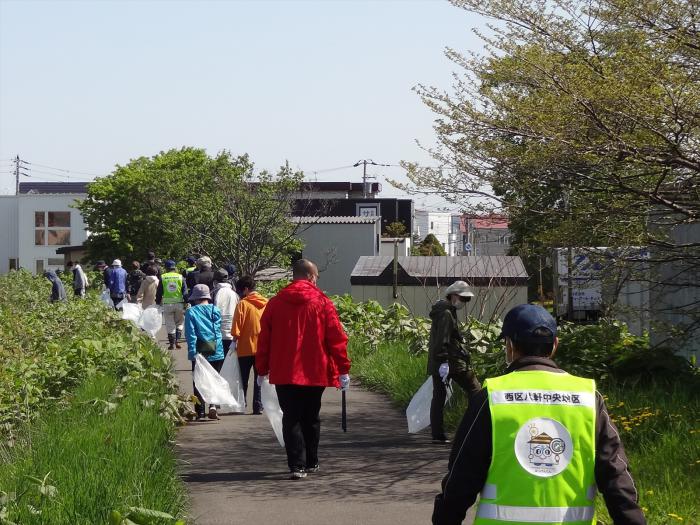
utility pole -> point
(365, 177)
(18, 167)
(17, 175)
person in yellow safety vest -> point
(536, 444)
(172, 293)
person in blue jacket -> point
(203, 325)
(117, 283)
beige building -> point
(498, 282)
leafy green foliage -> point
(396, 229)
(183, 201)
(429, 246)
(46, 349)
(87, 411)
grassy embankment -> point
(660, 427)
(87, 411)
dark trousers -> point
(301, 423)
(247, 363)
(469, 383)
(116, 299)
(227, 345)
(216, 365)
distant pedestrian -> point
(303, 348)
(205, 273)
(152, 260)
(191, 267)
(232, 273)
(58, 292)
(136, 277)
(226, 300)
(448, 355)
(191, 272)
(148, 291)
(246, 329)
(117, 283)
(172, 292)
(105, 270)
(80, 280)
(203, 335)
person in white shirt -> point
(226, 299)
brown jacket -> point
(470, 460)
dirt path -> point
(376, 473)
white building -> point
(37, 222)
(439, 223)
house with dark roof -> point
(498, 282)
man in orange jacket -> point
(245, 330)
(303, 348)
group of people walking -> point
(534, 445)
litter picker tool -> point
(343, 412)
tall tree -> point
(581, 121)
(183, 201)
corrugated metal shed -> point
(336, 220)
(53, 187)
(417, 270)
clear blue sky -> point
(85, 85)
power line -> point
(67, 171)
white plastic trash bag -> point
(151, 320)
(271, 408)
(418, 411)
(231, 372)
(213, 388)
(131, 312)
(105, 298)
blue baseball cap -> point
(170, 263)
(521, 322)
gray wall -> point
(675, 305)
(486, 304)
(335, 248)
(9, 244)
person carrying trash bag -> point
(245, 330)
(536, 443)
(303, 348)
(448, 357)
(203, 336)
(171, 293)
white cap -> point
(116, 262)
(459, 288)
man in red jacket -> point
(303, 348)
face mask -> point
(458, 304)
(508, 363)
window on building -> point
(56, 261)
(58, 232)
(13, 264)
(39, 266)
(432, 225)
(59, 219)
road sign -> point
(468, 247)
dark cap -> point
(190, 260)
(170, 263)
(220, 275)
(521, 322)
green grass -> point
(102, 453)
(659, 426)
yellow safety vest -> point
(543, 456)
(172, 287)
